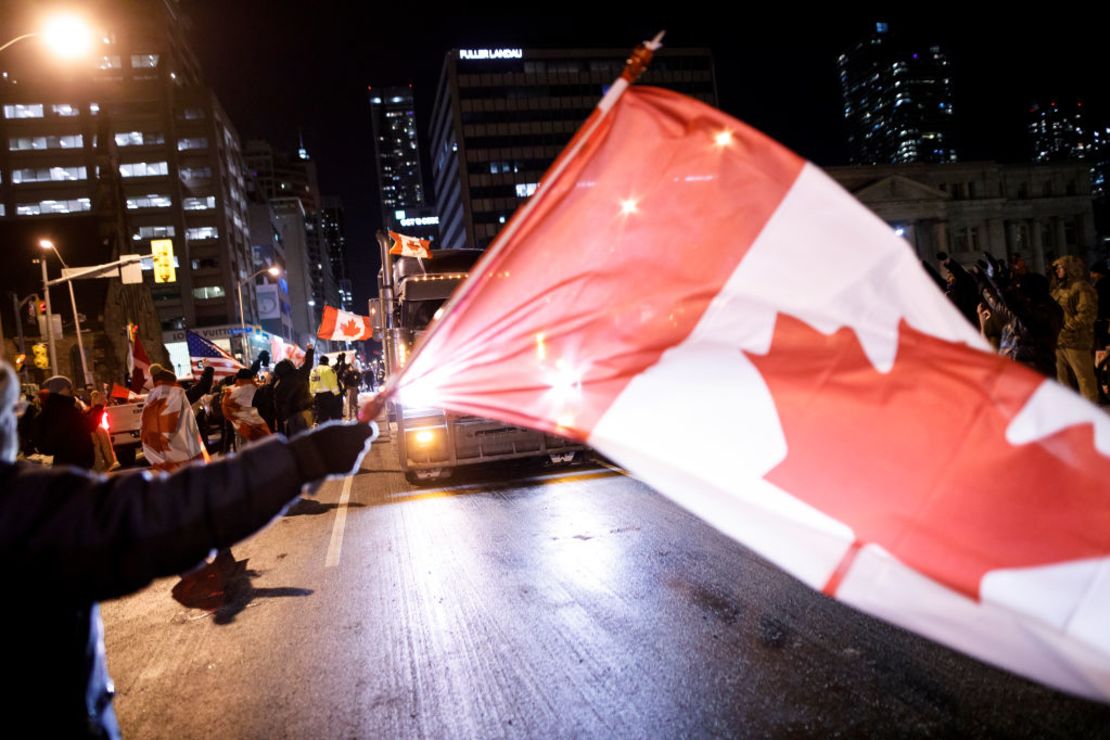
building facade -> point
(1039, 212)
(137, 122)
(501, 116)
(396, 152)
(897, 102)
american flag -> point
(202, 353)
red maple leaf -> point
(916, 460)
(351, 328)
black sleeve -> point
(306, 367)
(202, 387)
(75, 534)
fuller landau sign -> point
(491, 53)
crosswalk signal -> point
(164, 270)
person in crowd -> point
(168, 430)
(1018, 315)
(292, 398)
(960, 288)
(70, 539)
(63, 429)
(1102, 291)
(264, 401)
(30, 408)
(1075, 344)
(351, 380)
(104, 455)
(238, 407)
(324, 386)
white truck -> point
(431, 442)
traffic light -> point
(41, 358)
(164, 270)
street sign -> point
(132, 272)
(162, 250)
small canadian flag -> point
(344, 326)
(410, 246)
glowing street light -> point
(68, 36)
(272, 271)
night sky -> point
(280, 67)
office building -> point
(396, 152)
(501, 116)
(136, 121)
(897, 101)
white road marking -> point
(336, 545)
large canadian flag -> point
(344, 326)
(741, 334)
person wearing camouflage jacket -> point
(1073, 291)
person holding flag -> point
(237, 403)
(168, 431)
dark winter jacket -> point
(291, 389)
(1077, 297)
(64, 431)
(69, 539)
(1029, 325)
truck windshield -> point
(416, 315)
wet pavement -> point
(567, 603)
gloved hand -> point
(331, 449)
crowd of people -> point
(208, 418)
(1058, 325)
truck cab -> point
(431, 442)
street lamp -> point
(46, 244)
(272, 271)
(68, 36)
(49, 246)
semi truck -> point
(431, 443)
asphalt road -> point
(532, 603)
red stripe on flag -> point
(327, 323)
(658, 164)
(833, 584)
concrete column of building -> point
(1059, 227)
(996, 238)
(1037, 245)
(940, 237)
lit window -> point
(143, 169)
(23, 110)
(94, 108)
(196, 142)
(139, 138)
(144, 61)
(65, 109)
(208, 292)
(195, 173)
(199, 204)
(110, 61)
(192, 114)
(524, 190)
(48, 174)
(201, 233)
(74, 205)
(149, 201)
(153, 232)
(23, 143)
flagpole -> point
(635, 66)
